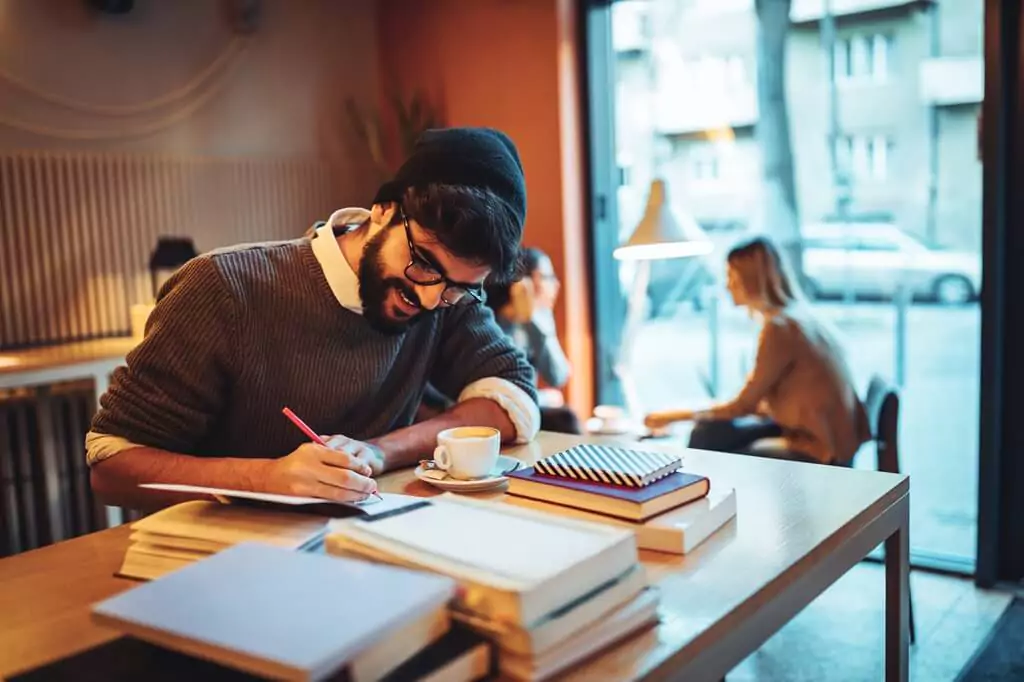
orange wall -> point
(512, 65)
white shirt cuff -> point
(521, 409)
(101, 446)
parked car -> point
(870, 260)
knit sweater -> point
(242, 332)
(802, 381)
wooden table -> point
(799, 527)
(67, 362)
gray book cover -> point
(271, 610)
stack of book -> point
(189, 532)
(548, 591)
(287, 615)
(668, 509)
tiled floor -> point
(839, 636)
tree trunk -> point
(780, 214)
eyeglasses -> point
(423, 272)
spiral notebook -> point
(604, 464)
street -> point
(939, 399)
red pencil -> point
(313, 436)
(304, 427)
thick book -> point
(515, 566)
(677, 531)
(191, 531)
(287, 615)
(632, 504)
(639, 614)
(609, 465)
(563, 624)
(461, 655)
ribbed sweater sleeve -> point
(176, 381)
(474, 347)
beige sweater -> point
(801, 380)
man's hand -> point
(366, 453)
(316, 471)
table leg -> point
(51, 469)
(897, 599)
(115, 515)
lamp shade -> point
(170, 254)
(660, 236)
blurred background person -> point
(525, 310)
(799, 402)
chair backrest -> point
(882, 404)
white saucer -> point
(440, 479)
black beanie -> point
(470, 157)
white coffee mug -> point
(468, 452)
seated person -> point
(525, 310)
(800, 391)
(345, 327)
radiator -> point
(45, 495)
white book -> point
(640, 613)
(550, 633)
(676, 532)
(515, 567)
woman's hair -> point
(499, 293)
(764, 273)
(529, 260)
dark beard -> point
(374, 288)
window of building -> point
(705, 168)
(864, 156)
(863, 58)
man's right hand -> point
(316, 471)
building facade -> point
(904, 80)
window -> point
(864, 157)
(705, 168)
(862, 58)
(687, 346)
(714, 72)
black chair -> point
(882, 404)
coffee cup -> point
(468, 452)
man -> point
(345, 327)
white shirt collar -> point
(340, 276)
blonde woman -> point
(799, 401)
